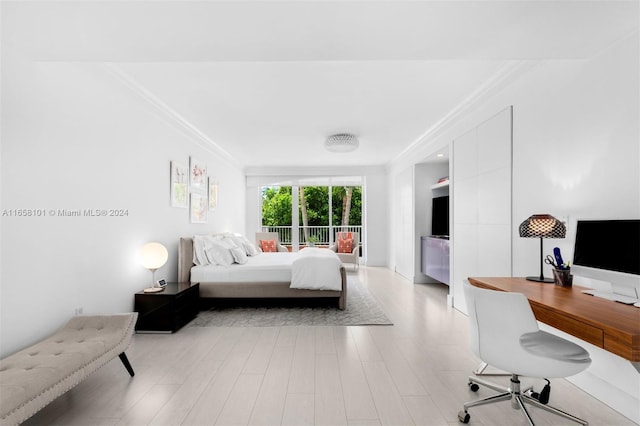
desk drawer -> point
(583, 331)
(625, 346)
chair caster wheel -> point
(464, 417)
(474, 387)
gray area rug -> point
(362, 309)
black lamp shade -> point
(542, 226)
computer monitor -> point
(609, 250)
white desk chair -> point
(504, 333)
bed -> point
(267, 275)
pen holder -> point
(562, 277)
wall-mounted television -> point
(609, 250)
(440, 217)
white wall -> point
(402, 235)
(576, 145)
(73, 137)
(377, 218)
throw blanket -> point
(316, 269)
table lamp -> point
(542, 226)
(154, 256)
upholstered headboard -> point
(185, 259)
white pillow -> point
(198, 250)
(200, 244)
(232, 239)
(219, 255)
(243, 243)
(249, 247)
(225, 241)
(239, 256)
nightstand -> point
(168, 310)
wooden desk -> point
(613, 326)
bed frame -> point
(251, 289)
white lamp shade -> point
(154, 255)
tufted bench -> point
(32, 378)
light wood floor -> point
(414, 372)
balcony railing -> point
(323, 235)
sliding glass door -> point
(311, 215)
(277, 205)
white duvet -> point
(316, 269)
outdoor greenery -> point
(276, 206)
(314, 204)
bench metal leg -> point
(127, 365)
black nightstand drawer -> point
(169, 310)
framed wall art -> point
(213, 193)
(199, 208)
(197, 174)
(179, 185)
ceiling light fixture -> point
(341, 142)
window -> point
(276, 211)
(322, 212)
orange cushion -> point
(268, 246)
(344, 236)
(345, 245)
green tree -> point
(315, 198)
(276, 206)
(346, 202)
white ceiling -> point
(267, 81)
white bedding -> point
(311, 268)
(316, 269)
(265, 267)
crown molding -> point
(170, 115)
(500, 79)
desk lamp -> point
(542, 226)
(154, 256)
